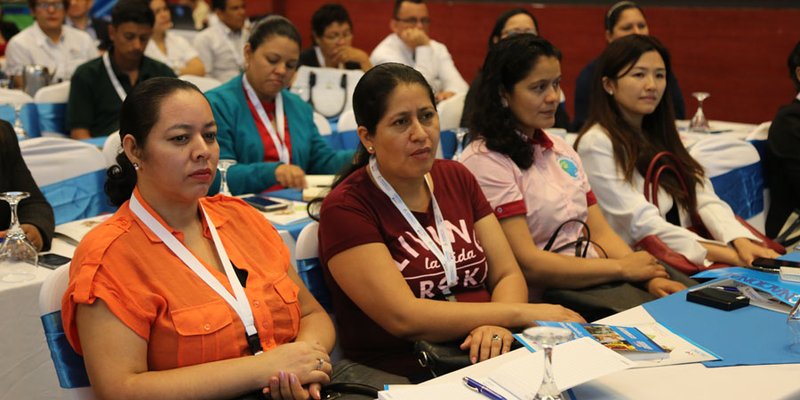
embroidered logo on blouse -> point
(568, 166)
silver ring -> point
(495, 338)
(320, 364)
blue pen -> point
(480, 388)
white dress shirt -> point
(222, 50)
(633, 217)
(179, 52)
(432, 61)
(32, 46)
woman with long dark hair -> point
(631, 120)
(535, 181)
(410, 246)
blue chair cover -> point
(98, 141)
(447, 139)
(52, 117)
(310, 271)
(78, 197)
(29, 115)
(743, 189)
(69, 365)
(348, 140)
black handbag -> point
(442, 358)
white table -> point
(26, 370)
(689, 381)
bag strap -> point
(578, 243)
(312, 80)
(653, 179)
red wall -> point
(738, 55)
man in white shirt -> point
(221, 45)
(49, 43)
(78, 17)
(411, 45)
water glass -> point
(699, 123)
(18, 257)
(546, 338)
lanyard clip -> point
(254, 343)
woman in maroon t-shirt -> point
(381, 234)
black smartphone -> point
(52, 261)
(772, 264)
(265, 204)
(718, 298)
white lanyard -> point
(277, 137)
(113, 77)
(445, 254)
(238, 303)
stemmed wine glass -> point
(545, 338)
(18, 129)
(18, 257)
(699, 123)
(793, 322)
(223, 166)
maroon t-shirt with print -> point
(357, 212)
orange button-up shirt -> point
(158, 297)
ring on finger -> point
(496, 338)
(320, 364)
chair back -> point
(51, 105)
(9, 98)
(347, 122)
(346, 131)
(71, 175)
(69, 366)
(204, 83)
(111, 147)
(450, 111)
(308, 264)
(323, 126)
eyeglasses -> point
(414, 20)
(56, 6)
(336, 36)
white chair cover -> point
(323, 126)
(12, 97)
(204, 83)
(51, 104)
(50, 296)
(760, 133)
(326, 95)
(111, 148)
(450, 111)
(71, 175)
(347, 122)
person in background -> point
(631, 120)
(35, 213)
(100, 86)
(268, 130)
(512, 22)
(410, 44)
(622, 19)
(221, 45)
(7, 30)
(332, 34)
(535, 182)
(78, 18)
(171, 49)
(48, 43)
(783, 155)
(200, 12)
(199, 291)
(418, 233)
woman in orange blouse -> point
(197, 292)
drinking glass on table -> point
(460, 133)
(18, 257)
(222, 166)
(793, 322)
(699, 123)
(546, 338)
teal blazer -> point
(239, 140)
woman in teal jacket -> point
(273, 149)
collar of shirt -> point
(42, 38)
(218, 219)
